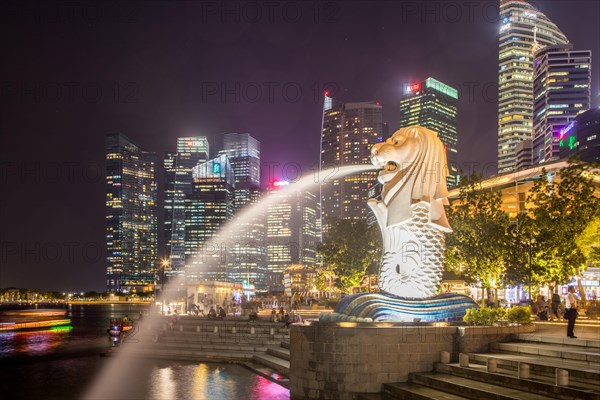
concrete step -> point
(371, 396)
(590, 344)
(471, 388)
(279, 352)
(581, 373)
(413, 391)
(268, 373)
(190, 355)
(510, 379)
(189, 321)
(569, 352)
(227, 333)
(220, 340)
(210, 346)
(276, 363)
(285, 344)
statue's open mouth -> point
(390, 166)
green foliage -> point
(477, 248)
(348, 251)
(331, 302)
(589, 241)
(562, 210)
(519, 315)
(484, 316)
(522, 267)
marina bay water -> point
(63, 363)
(86, 334)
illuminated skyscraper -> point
(433, 105)
(581, 138)
(178, 183)
(349, 132)
(293, 232)
(244, 155)
(207, 208)
(246, 255)
(523, 30)
(131, 215)
(562, 90)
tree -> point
(522, 266)
(589, 242)
(562, 210)
(348, 251)
(477, 248)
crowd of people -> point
(284, 316)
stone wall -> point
(337, 360)
(475, 339)
(333, 361)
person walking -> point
(571, 312)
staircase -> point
(542, 354)
(198, 339)
(274, 364)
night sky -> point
(73, 72)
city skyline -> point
(53, 163)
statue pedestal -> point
(381, 307)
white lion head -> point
(413, 168)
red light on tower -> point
(415, 87)
(279, 183)
(326, 93)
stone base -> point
(339, 360)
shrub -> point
(331, 302)
(484, 316)
(519, 315)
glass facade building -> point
(349, 132)
(433, 105)
(208, 207)
(293, 232)
(246, 255)
(581, 138)
(523, 30)
(561, 90)
(178, 183)
(131, 215)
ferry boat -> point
(15, 320)
(116, 327)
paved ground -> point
(584, 328)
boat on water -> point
(16, 320)
(116, 327)
(118, 330)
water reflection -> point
(32, 342)
(210, 381)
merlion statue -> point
(413, 223)
(411, 212)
